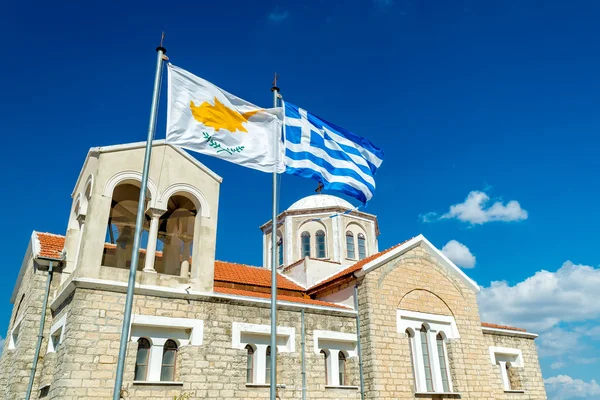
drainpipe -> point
(360, 361)
(303, 341)
(40, 334)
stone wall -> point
(420, 283)
(84, 366)
(529, 376)
(15, 364)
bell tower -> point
(179, 232)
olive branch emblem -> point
(216, 145)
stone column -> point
(155, 214)
(185, 262)
(81, 221)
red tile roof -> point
(248, 275)
(247, 293)
(50, 244)
(354, 267)
(509, 328)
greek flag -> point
(320, 150)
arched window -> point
(342, 368)
(141, 360)
(268, 365)
(411, 338)
(325, 357)
(280, 251)
(320, 241)
(426, 359)
(362, 247)
(350, 245)
(305, 244)
(250, 364)
(167, 371)
(441, 349)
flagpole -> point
(138, 226)
(273, 377)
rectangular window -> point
(305, 245)
(14, 336)
(320, 240)
(280, 251)
(141, 361)
(342, 369)
(362, 247)
(426, 360)
(443, 366)
(249, 364)
(268, 366)
(55, 338)
(350, 245)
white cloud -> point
(558, 342)
(562, 387)
(428, 217)
(545, 299)
(557, 365)
(475, 210)
(278, 16)
(459, 254)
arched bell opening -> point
(120, 227)
(176, 237)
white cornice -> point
(508, 332)
(151, 290)
(95, 151)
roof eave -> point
(95, 151)
(508, 332)
(409, 245)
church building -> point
(354, 321)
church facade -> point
(353, 319)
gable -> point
(403, 248)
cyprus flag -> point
(204, 118)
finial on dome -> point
(319, 188)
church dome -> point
(319, 201)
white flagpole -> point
(139, 221)
(274, 264)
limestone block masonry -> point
(416, 281)
(84, 366)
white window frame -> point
(183, 331)
(58, 328)
(435, 324)
(499, 356)
(333, 343)
(259, 337)
(14, 335)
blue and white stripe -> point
(320, 150)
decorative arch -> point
(358, 247)
(406, 303)
(312, 227)
(89, 184)
(197, 197)
(130, 177)
(78, 205)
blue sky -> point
(488, 106)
